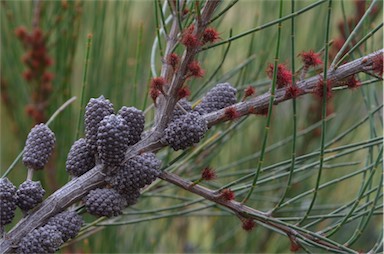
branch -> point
(77, 188)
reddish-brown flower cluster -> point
(183, 92)
(208, 174)
(284, 76)
(249, 91)
(294, 246)
(210, 35)
(154, 93)
(377, 64)
(248, 224)
(194, 70)
(158, 83)
(310, 59)
(231, 113)
(292, 91)
(352, 82)
(157, 87)
(319, 89)
(37, 62)
(189, 39)
(173, 60)
(227, 194)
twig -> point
(80, 186)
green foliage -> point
(123, 57)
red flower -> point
(231, 113)
(210, 35)
(227, 194)
(352, 82)
(195, 69)
(173, 60)
(189, 39)
(249, 91)
(248, 224)
(21, 32)
(28, 75)
(47, 76)
(319, 89)
(154, 93)
(208, 174)
(310, 58)
(293, 91)
(284, 76)
(158, 83)
(377, 64)
(183, 92)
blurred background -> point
(43, 55)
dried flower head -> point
(293, 91)
(319, 89)
(248, 224)
(21, 32)
(208, 174)
(227, 194)
(284, 76)
(189, 39)
(310, 59)
(231, 113)
(249, 91)
(173, 60)
(183, 92)
(195, 69)
(210, 35)
(377, 64)
(158, 83)
(352, 82)
(154, 93)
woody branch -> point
(77, 188)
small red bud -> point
(208, 174)
(284, 76)
(173, 60)
(154, 93)
(231, 113)
(377, 64)
(293, 91)
(195, 69)
(248, 224)
(249, 91)
(210, 35)
(352, 82)
(319, 91)
(310, 58)
(183, 92)
(227, 194)
(21, 32)
(158, 83)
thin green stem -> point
(84, 85)
(162, 17)
(158, 30)
(294, 117)
(353, 33)
(323, 112)
(271, 100)
(277, 21)
(358, 44)
(138, 57)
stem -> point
(83, 85)
(271, 101)
(323, 113)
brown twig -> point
(79, 187)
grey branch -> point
(77, 188)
